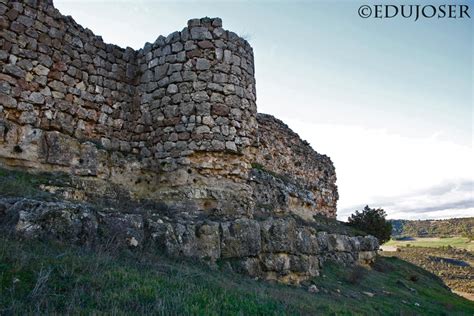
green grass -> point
(50, 278)
(15, 183)
(282, 177)
(434, 242)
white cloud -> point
(398, 173)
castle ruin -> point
(176, 123)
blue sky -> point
(390, 101)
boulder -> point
(279, 235)
(240, 238)
(62, 221)
(121, 229)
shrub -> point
(373, 222)
(413, 277)
(382, 266)
(356, 274)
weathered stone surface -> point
(14, 71)
(58, 220)
(200, 33)
(121, 229)
(307, 240)
(60, 149)
(279, 262)
(368, 243)
(172, 89)
(7, 101)
(220, 109)
(202, 64)
(309, 177)
(279, 235)
(88, 162)
(339, 243)
(366, 257)
(36, 98)
(240, 238)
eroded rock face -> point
(58, 220)
(280, 249)
(241, 238)
(291, 176)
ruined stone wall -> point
(281, 248)
(199, 88)
(293, 177)
(175, 121)
(57, 76)
(169, 121)
(66, 97)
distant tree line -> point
(434, 228)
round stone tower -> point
(198, 87)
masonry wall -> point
(199, 87)
(58, 76)
(296, 178)
(174, 122)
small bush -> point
(257, 166)
(382, 266)
(356, 275)
(413, 277)
(373, 222)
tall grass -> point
(51, 278)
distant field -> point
(434, 242)
(455, 266)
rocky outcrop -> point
(275, 248)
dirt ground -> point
(454, 266)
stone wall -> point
(193, 90)
(305, 180)
(175, 121)
(275, 248)
(58, 76)
(199, 89)
(159, 116)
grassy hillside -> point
(38, 277)
(434, 228)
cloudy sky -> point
(390, 101)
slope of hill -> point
(50, 278)
(434, 228)
(53, 278)
(454, 266)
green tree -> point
(373, 222)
